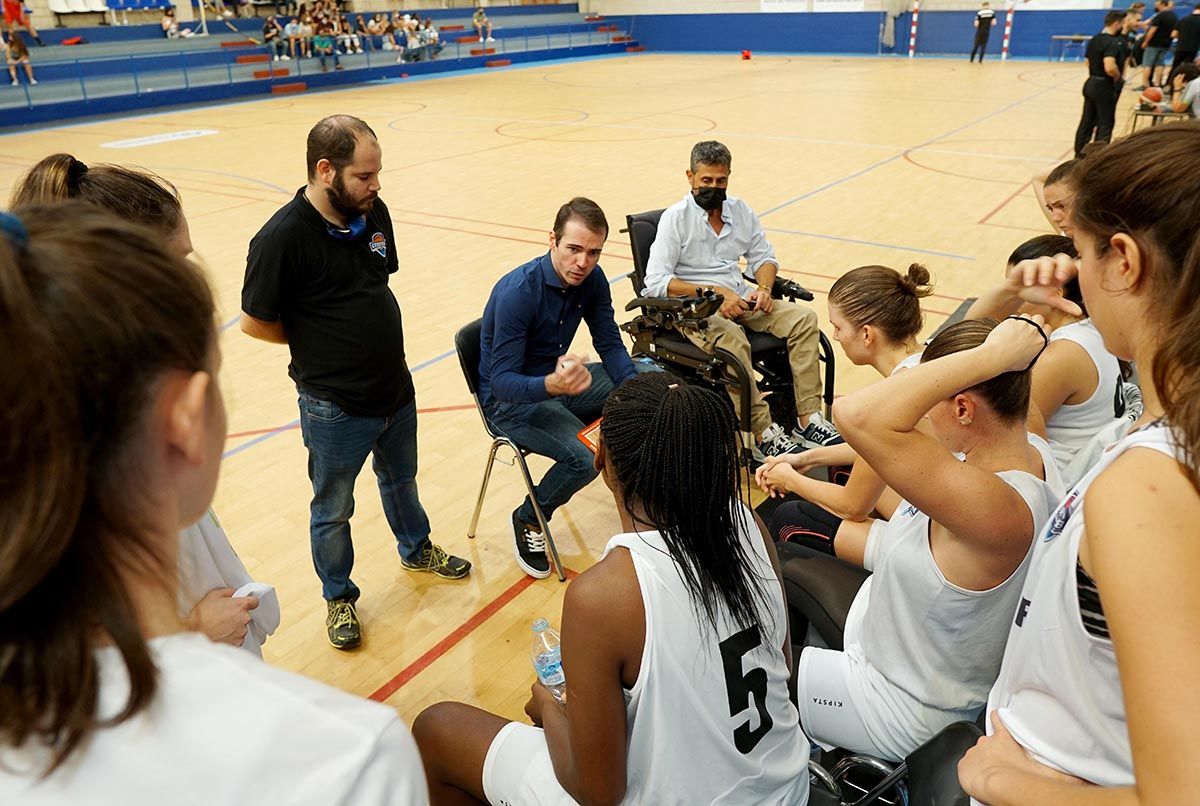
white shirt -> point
(930, 641)
(1059, 689)
(686, 248)
(207, 561)
(685, 745)
(1191, 95)
(226, 729)
(1073, 426)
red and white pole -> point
(1008, 21)
(912, 31)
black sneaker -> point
(818, 433)
(436, 560)
(342, 624)
(530, 548)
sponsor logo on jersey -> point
(910, 512)
(1023, 611)
(1061, 515)
(379, 244)
(830, 703)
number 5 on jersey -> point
(745, 687)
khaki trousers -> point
(796, 324)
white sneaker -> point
(490, 39)
(16, 83)
(33, 81)
(276, 58)
(776, 442)
(286, 57)
(817, 434)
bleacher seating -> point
(133, 66)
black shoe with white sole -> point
(530, 549)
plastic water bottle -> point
(547, 659)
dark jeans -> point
(338, 444)
(551, 428)
(1099, 112)
(981, 40)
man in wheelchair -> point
(699, 243)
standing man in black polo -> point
(985, 18)
(1106, 54)
(1187, 42)
(317, 280)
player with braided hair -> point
(675, 645)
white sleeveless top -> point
(937, 643)
(710, 719)
(1059, 691)
(1073, 426)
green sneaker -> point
(435, 560)
(342, 624)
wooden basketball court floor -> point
(848, 161)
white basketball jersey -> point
(710, 719)
(935, 642)
(1073, 426)
(1059, 691)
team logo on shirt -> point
(1061, 515)
(379, 244)
(910, 512)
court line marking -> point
(480, 617)
(895, 157)
(899, 247)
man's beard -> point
(347, 206)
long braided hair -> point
(673, 448)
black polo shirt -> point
(1101, 45)
(1164, 23)
(342, 321)
(1189, 34)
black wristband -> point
(1040, 332)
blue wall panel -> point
(852, 32)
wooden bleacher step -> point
(276, 73)
(635, 49)
(482, 51)
(287, 89)
(252, 58)
(240, 43)
(622, 39)
(497, 63)
(467, 40)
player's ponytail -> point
(93, 312)
(884, 298)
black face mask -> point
(710, 198)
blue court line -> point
(872, 243)
(231, 323)
(895, 157)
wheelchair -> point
(819, 591)
(658, 335)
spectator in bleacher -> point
(481, 22)
(297, 44)
(347, 35)
(323, 46)
(432, 38)
(308, 29)
(414, 48)
(274, 39)
(18, 54)
(1158, 42)
(363, 31)
(14, 15)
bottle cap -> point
(540, 625)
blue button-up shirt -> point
(686, 248)
(531, 319)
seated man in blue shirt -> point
(699, 243)
(532, 389)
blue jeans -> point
(551, 428)
(338, 444)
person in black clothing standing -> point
(1187, 42)
(1158, 42)
(985, 18)
(317, 280)
(1106, 54)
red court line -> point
(257, 431)
(908, 158)
(450, 641)
(1006, 201)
